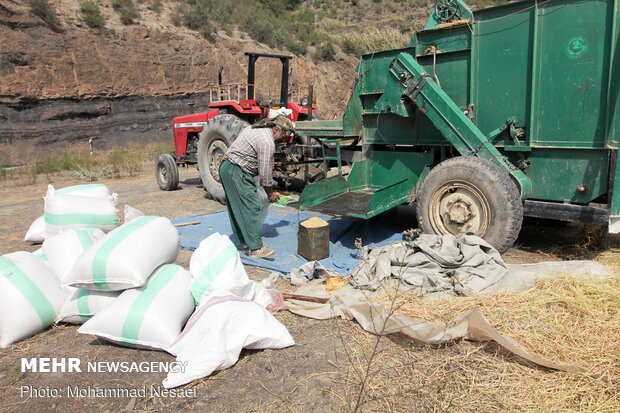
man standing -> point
(251, 154)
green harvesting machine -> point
(485, 117)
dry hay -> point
(567, 320)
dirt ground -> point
(322, 372)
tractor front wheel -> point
(166, 172)
(470, 195)
(216, 137)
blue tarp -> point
(280, 234)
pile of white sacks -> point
(121, 284)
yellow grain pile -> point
(314, 222)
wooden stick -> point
(184, 224)
(304, 298)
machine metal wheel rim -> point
(162, 172)
(456, 201)
(216, 149)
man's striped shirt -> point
(253, 152)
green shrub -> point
(91, 14)
(325, 51)
(89, 176)
(261, 28)
(44, 10)
(153, 150)
(223, 12)
(176, 17)
(127, 11)
(5, 164)
(68, 161)
(156, 6)
(207, 33)
(125, 159)
(195, 17)
(297, 48)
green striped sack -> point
(83, 304)
(148, 317)
(216, 265)
(127, 256)
(63, 250)
(63, 212)
(30, 296)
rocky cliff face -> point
(63, 85)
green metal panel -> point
(452, 71)
(410, 79)
(384, 181)
(570, 94)
(556, 174)
(451, 66)
(501, 66)
(322, 128)
(613, 100)
(553, 65)
(384, 168)
(459, 39)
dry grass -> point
(118, 162)
(567, 320)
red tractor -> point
(203, 138)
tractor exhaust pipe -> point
(310, 99)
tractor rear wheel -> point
(216, 137)
(471, 195)
(166, 172)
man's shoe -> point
(246, 249)
(261, 252)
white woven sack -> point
(216, 265)
(217, 332)
(64, 212)
(39, 254)
(83, 304)
(126, 257)
(90, 191)
(64, 249)
(148, 317)
(30, 296)
(131, 213)
(36, 232)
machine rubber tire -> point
(216, 137)
(166, 172)
(471, 195)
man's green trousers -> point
(243, 205)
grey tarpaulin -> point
(350, 303)
(434, 266)
(312, 269)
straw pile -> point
(567, 320)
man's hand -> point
(271, 194)
(274, 196)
